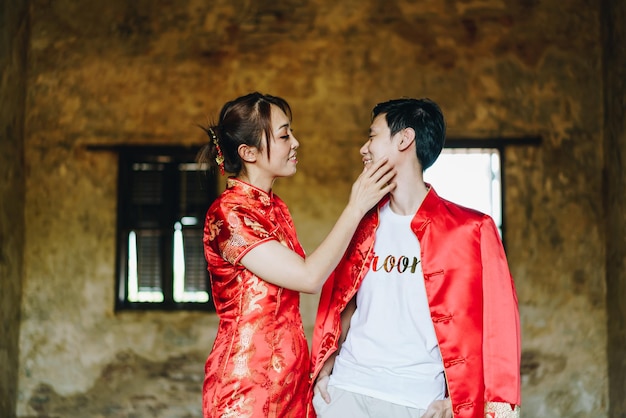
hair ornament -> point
(219, 158)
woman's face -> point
(282, 160)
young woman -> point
(259, 363)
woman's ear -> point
(247, 153)
(407, 137)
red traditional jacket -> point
(472, 300)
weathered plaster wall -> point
(614, 40)
(148, 71)
(13, 47)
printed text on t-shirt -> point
(390, 262)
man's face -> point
(379, 144)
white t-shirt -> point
(391, 351)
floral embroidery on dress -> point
(258, 292)
(277, 363)
(241, 407)
(239, 226)
(251, 192)
(254, 225)
(213, 227)
(245, 350)
(265, 200)
(234, 221)
(278, 359)
(231, 246)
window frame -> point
(501, 144)
(169, 155)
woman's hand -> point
(372, 185)
(277, 264)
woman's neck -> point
(257, 181)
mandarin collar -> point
(431, 201)
(430, 207)
(253, 192)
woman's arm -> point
(277, 264)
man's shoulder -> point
(447, 217)
(448, 208)
(463, 210)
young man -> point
(420, 318)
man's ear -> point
(407, 137)
(247, 153)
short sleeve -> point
(236, 231)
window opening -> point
(470, 177)
(163, 197)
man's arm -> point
(321, 383)
(501, 329)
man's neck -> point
(409, 193)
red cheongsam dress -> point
(258, 366)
